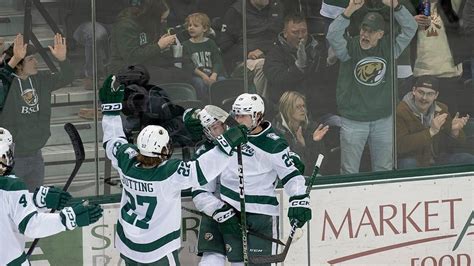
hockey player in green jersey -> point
(266, 158)
(149, 224)
(22, 213)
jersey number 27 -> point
(132, 205)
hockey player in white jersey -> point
(21, 215)
(149, 224)
(266, 158)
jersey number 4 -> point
(132, 205)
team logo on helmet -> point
(208, 236)
(228, 248)
(370, 71)
(30, 97)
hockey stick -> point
(263, 259)
(249, 231)
(225, 118)
(79, 154)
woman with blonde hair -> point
(303, 136)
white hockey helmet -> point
(207, 121)
(154, 141)
(249, 104)
(6, 159)
(6, 136)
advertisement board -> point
(404, 222)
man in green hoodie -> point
(25, 103)
(364, 86)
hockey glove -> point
(80, 215)
(233, 137)
(297, 162)
(50, 197)
(193, 124)
(228, 221)
(111, 96)
(299, 210)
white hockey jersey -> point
(265, 160)
(19, 217)
(149, 224)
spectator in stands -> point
(468, 31)
(25, 104)
(295, 61)
(440, 50)
(106, 13)
(303, 136)
(264, 22)
(135, 41)
(364, 94)
(179, 10)
(426, 132)
(204, 55)
(404, 68)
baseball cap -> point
(374, 21)
(429, 82)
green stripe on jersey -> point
(289, 176)
(18, 261)
(147, 247)
(197, 192)
(201, 179)
(11, 183)
(269, 200)
(268, 140)
(24, 222)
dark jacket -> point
(26, 110)
(414, 139)
(263, 27)
(282, 73)
(310, 151)
(135, 42)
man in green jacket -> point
(25, 103)
(364, 86)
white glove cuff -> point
(222, 142)
(300, 203)
(110, 107)
(69, 218)
(40, 197)
(223, 216)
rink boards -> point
(402, 221)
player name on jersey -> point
(137, 185)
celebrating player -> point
(20, 216)
(148, 228)
(266, 156)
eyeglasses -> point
(427, 94)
